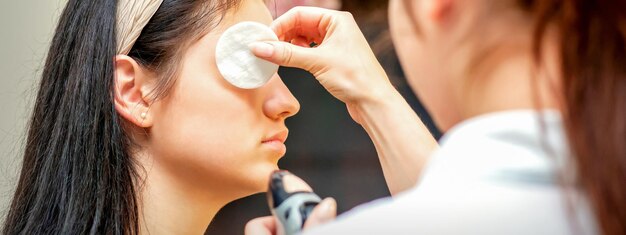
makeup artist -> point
(531, 95)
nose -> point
(279, 103)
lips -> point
(278, 137)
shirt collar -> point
(538, 129)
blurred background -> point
(26, 30)
(325, 147)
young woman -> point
(531, 94)
(135, 131)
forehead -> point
(248, 10)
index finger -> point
(304, 22)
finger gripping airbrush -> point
(291, 201)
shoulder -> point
(493, 182)
(476, 209)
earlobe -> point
(440, 10)
(130, 85)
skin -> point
(279, 7)
(207, 142)
(449, 81)
(352, 74)
(438, 54)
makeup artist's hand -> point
(342, 61)
(345, 65)
(324, 212)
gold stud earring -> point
(143, 115)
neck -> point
(168, 206)
(511, 82)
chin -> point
(262, 178)
(256, 180)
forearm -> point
(402, 141)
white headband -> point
(132, 17)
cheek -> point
(427, 77)
(209, 131)
(424, 68)
(411, 49)
(424, 75)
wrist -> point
(379, 105)
(381, 99)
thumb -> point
(284, 54)
(324, 212)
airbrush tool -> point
(291, 201)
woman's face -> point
(211, 135)
(423, 46)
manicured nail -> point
(262, 49)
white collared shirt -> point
(493, 174)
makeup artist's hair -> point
(592, 40)
(78, 176)
(592, 51)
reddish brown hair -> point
(592, 39)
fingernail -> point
(262, 49)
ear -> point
(439, 10)
(131, 90)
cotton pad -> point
(235, 60)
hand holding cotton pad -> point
(235, 60)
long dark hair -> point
(78, 175)
(592, 39)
